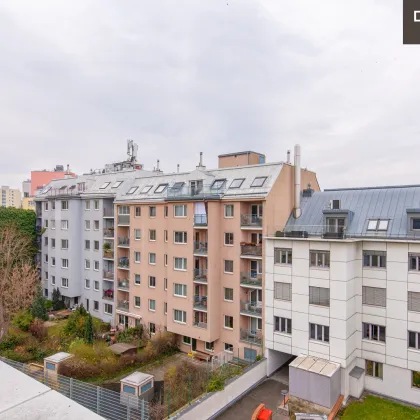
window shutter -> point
(414, 301)
(282, 291)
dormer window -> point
(258, 181)
(46, 190)
(161, 188)
(236, 183)
(415, 223)
(218, 183)
(117, 184)
(377, 225)
(81, 186)
(336, 224)
(335, 204)
(132, 190)
(146, 189)
(104, 185)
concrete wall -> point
(275, 360)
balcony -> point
(109, 233)
(108, 294)
(123, 241)
(251, 279)
(251, 251)
(250, 308)
(194, 192)
(251, 221)
(108, 275)
(200, 303)
(199, 324)
(250, 336)
(123, 305)
(124, 263)
(109, 254)
(108, 213)
(200, 220)
(200, 248)
(123, 220)
(124, 285)
(200, 275)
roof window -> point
(178, 185)
(117, 184)
(236, 183)
(218, 183)
(132, 190)
(104, 185)
(146, 189)
(377, 225)
(258, 181)
(161, 188)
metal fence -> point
(106, 403)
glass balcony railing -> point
(200, 275)
(200, 303)
(251, 220)
(251, 250)
(200, 248)
(198, 191)
(108, 232)
(251, 308)
(123, 305)
(251, 279)
(251, 336)
(123, 284)
(108, 212)
(200, 219)
(123, 241)
(200, 324)
(124, 219)
(124, 263)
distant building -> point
(41, 178)
(10, 197)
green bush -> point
(23, 320)
(216, 383)
(24, 220)
(11, 341)
(17, 357)
(38, 329)
(57, 300)
(259, 357)
(38, 307)
(76, 322)
(48, 305)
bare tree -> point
(19, 279)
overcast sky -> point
(78, 78)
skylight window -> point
(46, 190)
(63, 188)
(236, 183)
(218, 183)
(258, 181)
(72, 187)
(104, 185)
(117, 184)
(372, 225)
(383, 225)
(160, 188)
(132, 190)
(377, 225)
(146, 189)
(178, 185)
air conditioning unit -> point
(335, 204)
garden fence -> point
(106, 403)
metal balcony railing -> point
(109, 254)
(124, 219)
(108, 294)
(108, 212)
(250, 336)
(200, 275)
(251, 279)
(251, 220)
(251, 308)
(108, 232)
(200, 248)
(109, 275)
(251, 250)
(200, 219)
(200, 303)
(200, 324)
(123, 241)
(123, 305)
(124, 262)
(190, 192)
(123, 284)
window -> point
(373, 332)
(46, 275)
(137, 256)
(282, 256)
(165, 234)
(319, 333)
(228, 294)
(283, 325)
(52, 261)
(152, 234)
(152, 258)
(165, 260)
(87, 284)
(52, 204)
(414, 262)
(228, 238)
(414, 301)
(95, 305)
(137, 234)
(64, 263)
(414, 340)
(180, 316)
(53, 280)
(52, 243)
(137, 301)
(137, 279)
(146, 189)
(46, 206)
(180, 263)
(180, 210)
(138, 211)
(229, 210)
(64, 244)
(152, 211)
(46, 258)
(104, 185)
(415, 223)
(152, 305)
(87, 224)
(228, 321)
(64, 282)
(228, 266)
(87, 264)
(377, 225)
(108, 308)
(217, 184)
(64, 205)
(152, 328)
(132, 190)
(166, 211)
(152, 281)
(160, 188)
(180, 237)
(282, 291)
(96, 224)
(46, 241)
(87, 244)
(96, 245)
(165, 307)
(116, 184)
(52, 224)
(123, 210)
(87, 205)
(180, 290)
(186, 340)
(228, 347)
(374, 259)
(335, 225)
(258, 181)
(374, 369)
(165, 284)
(375, 296)
(320, 259)
(96, 265)
(209, 346)
(64, 224)
(96, 285)
(236, 183)
(415, 379)
(46, 224)
(319, 296)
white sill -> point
(367, 340)
(323, 343)
(179, 322)
(152, 287)
(96, 310)
(152, 263)
(413, 349)
(283, 264)
(65, 287)
(228, 244)
(87, 268)
(316, 267)
(137, 306)
(136, 262)
(96, 269)
(180, 217)
(319, 306)
(373, 377)
(137, 239)
(180, 243)
(152, 310)
(181, 296)
(137, 284)
(107, 313)
(228, 351)
(228, 272)
(87, 288)
(180, 269)
(64, 268)
(228, 328)
(210, 351)
(374, 268)
(227, 300)
(87, 229)
(229, 217)
(96, 290)
(152, 240)
(285, 334)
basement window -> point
(258, 181)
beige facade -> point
(191, 259)
(28, 203)
(10, 197)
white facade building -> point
(343, 284)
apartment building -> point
(10, 197)
(189, 251)
(343, 287)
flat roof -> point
(120, 348)
(136, 378)
(58, 357)
(315, 364)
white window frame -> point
(137, 254)
(150, 305)
(370, 332)
(87, 205)
(230, 236)
(95, 264)
(137, 237)
(284, 325)
(209, 346)
(321, 259)
(135, 303)
(96, 283)
(374, 364)
(87, 224)
(224, 267)
(182, 318)
(63, 264)
(184, 210)
(183, 264)
(225, 317)
(323, 327)
(150, 258)
(283, 256)
(96, 223)
(137, 211)
(96, 305)
(180, 287)
(64, 205)
(231, 207)
(53, 280)
(135, 278)
(105, 308)
(67, 242)
(224, 294)
(64, 225)
(52, 261)
(87, 244)
(259, 180)
(228, 347)
(52, 224)
(152, 237)
(87, 283)
(187, 343)
(149, 282)
(181, 235)
(152, 209)
(66, 281)
(87, 264)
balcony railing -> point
(251, 250)
(193, 192)
(251, 220)
(108, 233)
(108, 212)
(124, 263)
(109, 254)
(200, 275)
(251, 279)
(108, 294)
(200, 248)
(123, 241)
(200, 219)
(250, 336)
(251, 308)
(123, 284)
(109, 275)
(123, 305)
(200, 324)
(124, 219)
(200, 303)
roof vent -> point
(335, 204)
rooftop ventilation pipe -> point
(157, 165)
(288, 156)
(297, 210)
(177, 168)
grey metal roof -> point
(363, 204)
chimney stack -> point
(297, 210)
(200, 165)
(177, 168)
(288, 156)
(157, 165)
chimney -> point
(288, 156)
(200, 165)
(157, 165)
(297, 210)
(177, 168)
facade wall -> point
(10, 197)
(241, 159)
(42, 178)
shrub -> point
(57, 300)
(38, 330)
(48, 305)
(99, 326)
(23, 320)
(38, 306)
(11, 340)
(89, 334)
(216, 383)
(21, 357)
(76, 322)
(259, 357)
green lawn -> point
(375, 408)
